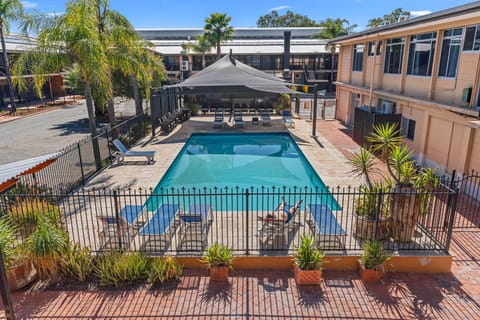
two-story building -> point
(426, 69)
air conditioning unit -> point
(387, 107)
(184, 66)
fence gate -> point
(468, 203)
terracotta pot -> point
(219, 273)
(370, 275)
(405, 206)
(365, 228)
(21, 275)
(307, 277)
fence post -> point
(378, 212)
(108, 144)
(247, 251)
(453, 210)
(81, 162)
(5, 291)
(117, 219)
(452, 186)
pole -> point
(314, 123)
(5, 291)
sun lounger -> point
(195, 223)
(266, 121)
(238, 119)
(287, 118)
(159, 230)
(218, 120)
(325, 224)
(123, 152)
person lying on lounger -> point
(282, 212)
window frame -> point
(388, 50)
(378, 50)
(358, 52)
(457, 38)
(407, 128)
(413, 57)
(475, 39)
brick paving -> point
(272, 294)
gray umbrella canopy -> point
(229, 76)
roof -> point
(473, 7)
(230, 76)
(12, 170)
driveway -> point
(48, 132)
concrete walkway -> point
(271, 294)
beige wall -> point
(474, 159)
(357, 78)
(417, 86)
(391, 82)
(346, 59)
(343, 103)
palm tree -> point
(9, 10)
(217, 30)
(335, 28)
(63, 40)
(202, 46)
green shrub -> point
(164, 269)
(194, 108)
(7, 240)
(374, 255)
(308, 256)
(218, 255)
(115, 268)
(77, 263)
(46, 244)
(26, 213)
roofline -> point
(245, 28)
(466, 8)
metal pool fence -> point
(185, 221)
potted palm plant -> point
(20, 271)
(371, 208)
(308, 262)
(218, 259)
(410, 195)
(372, 262)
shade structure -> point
(229, 77)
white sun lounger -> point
(123, 152)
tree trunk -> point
(111, 112)
(203, 61)
(137, 97)
(92, 125)
(219, 51)
(7, 69)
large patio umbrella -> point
(229, 77)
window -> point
(371, 48)
(408, 128)
(393, 55)
(472, 39)
(450, 51)
(420, 55)
(358, 57)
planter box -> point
(370, 275)
(219, 273)
(370, 229)
(405, 205)
(21, 275)
(307, 277)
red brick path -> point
(267, 294)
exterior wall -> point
(474, 159)
(417, 86)
(391, 82)
(357, 78)
(343, 103)
(346, 60)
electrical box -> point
(466, 95)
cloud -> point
(420, 13)
(279, 8)
(29, 4)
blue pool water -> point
(229, 161)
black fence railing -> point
(253, 221)
(76, 163)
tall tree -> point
(202, 46)
(10, 10)
(218, 30)
(391, 17)
(333, 28)
(289, 19)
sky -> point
(245, 13)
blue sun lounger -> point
(161, 227)
(325, 224)
(287, 118)
(195, 223)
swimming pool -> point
(247, 160)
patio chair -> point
(116, 233)
(218, 120)
(325, 224)
(238, 119)
(266, 121)
(287, 118)
(195, 224)
(159, 230)
(123, 152)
